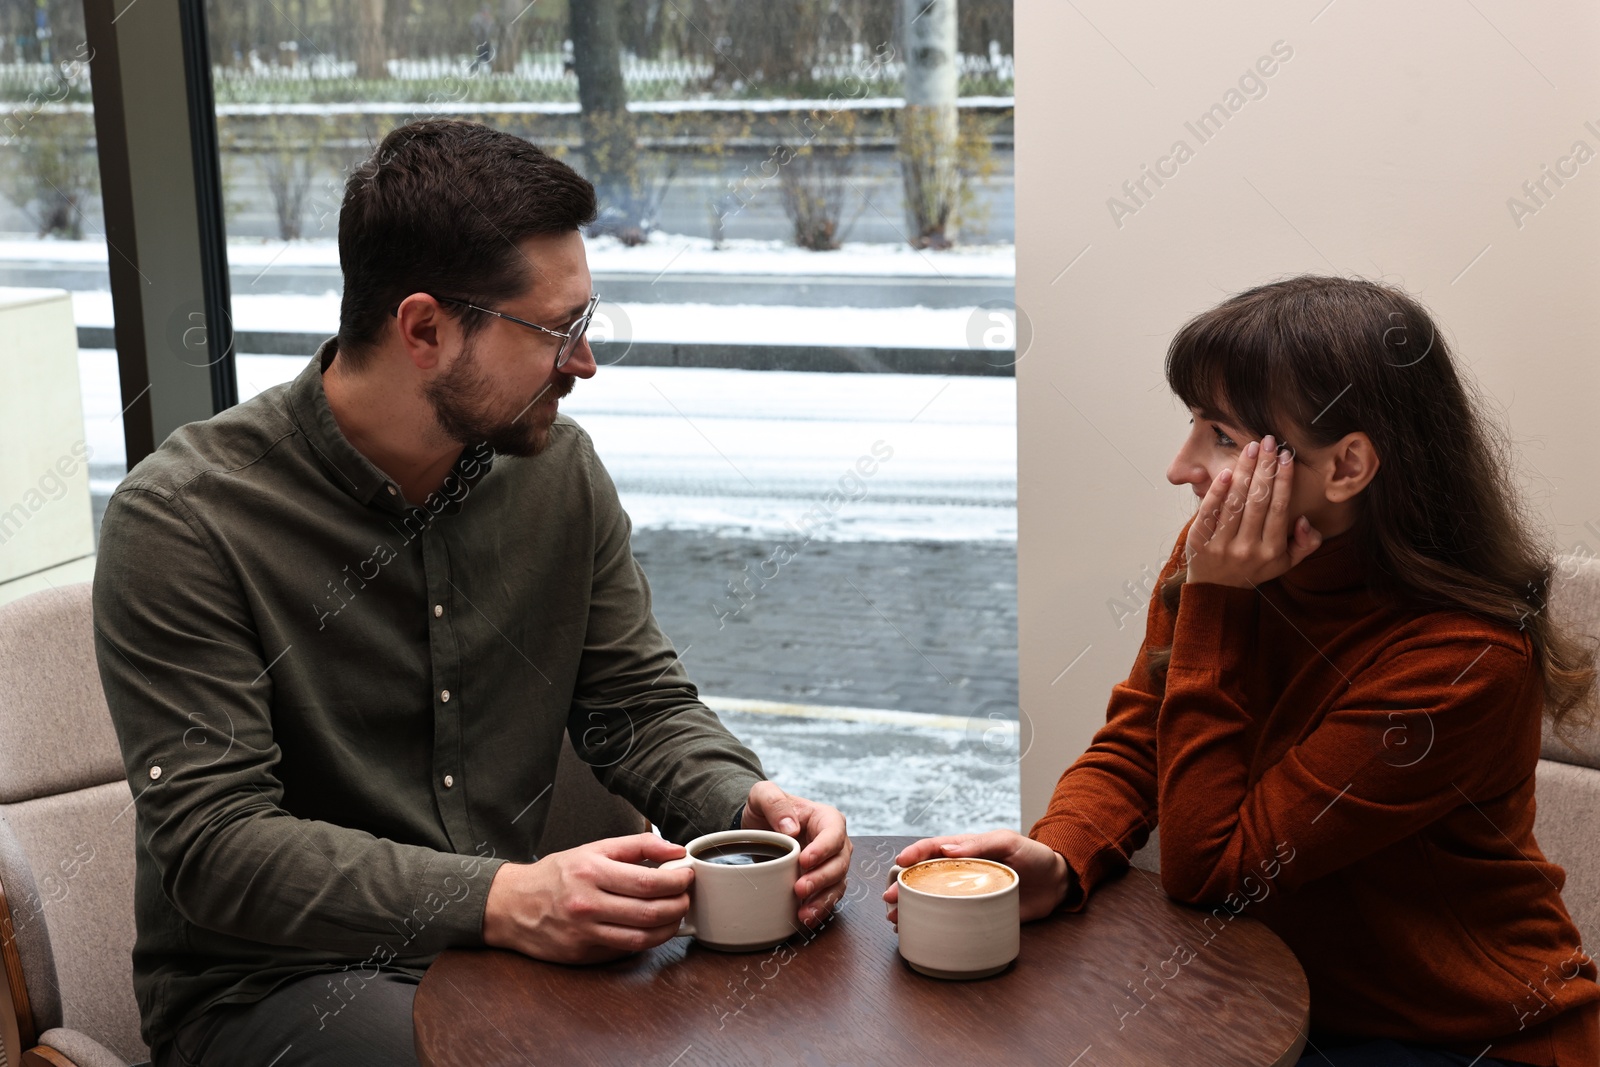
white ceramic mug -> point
(947, 936)
(741, 907)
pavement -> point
(899, 625)
(926, 629)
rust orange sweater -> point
(1360, 779)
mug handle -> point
(894, 872)
(685, 927)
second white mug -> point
(963, 934)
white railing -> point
(546, 67)
(645, 78)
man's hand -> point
(588, 904)
(825, 848)
(1043, 871)
(1242, 535)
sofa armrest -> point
(10, 1040)
(70, 1048)
(16, 1015)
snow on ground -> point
(843, 457)
(697, 255)
(679, 253)
(781, 518)
(723, 324)
(15, 247)
(887, 779)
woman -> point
(1335, 714)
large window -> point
(805, 256)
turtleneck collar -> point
(1337, 564)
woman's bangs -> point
(1217, 366)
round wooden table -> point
(1132, 979)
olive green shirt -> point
(340, 712)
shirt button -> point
(445, 696)
(449, 781)
(392, 490)
(155, 772)
(438, 610)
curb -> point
(875, 716)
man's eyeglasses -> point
(569, 338)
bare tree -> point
(610, 145)
(372, 47)
(289, 154)
(929, 123)
(49, 171)
(815, 184)
(508, 48)
(776, 45)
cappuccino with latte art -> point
(959, 877)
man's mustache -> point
(556, 389)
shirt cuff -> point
(453, 895)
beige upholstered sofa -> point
(67, 843)
(1567, 822)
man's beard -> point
(463, 401)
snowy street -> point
(744, 453)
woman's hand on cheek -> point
(1242, 535)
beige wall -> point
(1386, 146)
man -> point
(343, 626)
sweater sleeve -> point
(1418, 732)
(1104, 805)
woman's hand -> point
(1241, 535)
(1044, 872)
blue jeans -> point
(1387, 1053)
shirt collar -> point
(354, 472)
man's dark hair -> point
(439, 208)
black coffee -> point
(735, 852)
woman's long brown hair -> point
(1441, 526)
